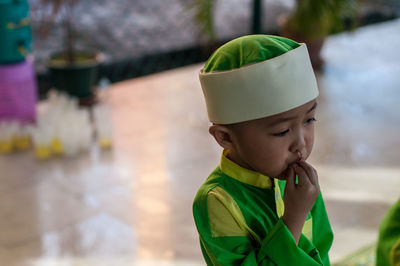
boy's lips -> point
(298, 160)
(300, 157)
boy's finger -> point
(302, 175)
(314, 177)
(311, 173)
(290, 178)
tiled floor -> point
(132, 205)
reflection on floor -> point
(132, 205)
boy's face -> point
(269, 145)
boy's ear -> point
(223, 135)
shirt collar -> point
(243, 175)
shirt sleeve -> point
(226, 239)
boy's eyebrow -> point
(292, 118)
(312, 108)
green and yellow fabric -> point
(388, 248)
(238, 216)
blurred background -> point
(104, 133)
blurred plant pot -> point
(78, 78)
(314, 45)
(314, 48)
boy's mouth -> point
(286, 171)
(300, 158)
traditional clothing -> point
(238, 216)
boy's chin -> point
(283, 175)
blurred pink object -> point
(18, 91)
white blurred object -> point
(103, 125)
(85, 128)
(67, 126)
(70, 139)
(14, 136)
(42, 137)
(61, 128)
(22, 138)
(7, 133)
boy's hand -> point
(299, 198)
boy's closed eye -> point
(283, 133)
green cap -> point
(257, 76)
(247, 50)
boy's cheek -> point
(277, 168)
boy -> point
(262, 205)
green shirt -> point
(238, 216)
(388, 249)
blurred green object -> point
(313, 20)
(388, 249)
(203, 15)
(15, 31)
(310, 21)
(316, 19)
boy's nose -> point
(299, 144)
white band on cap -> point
(261, 89)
